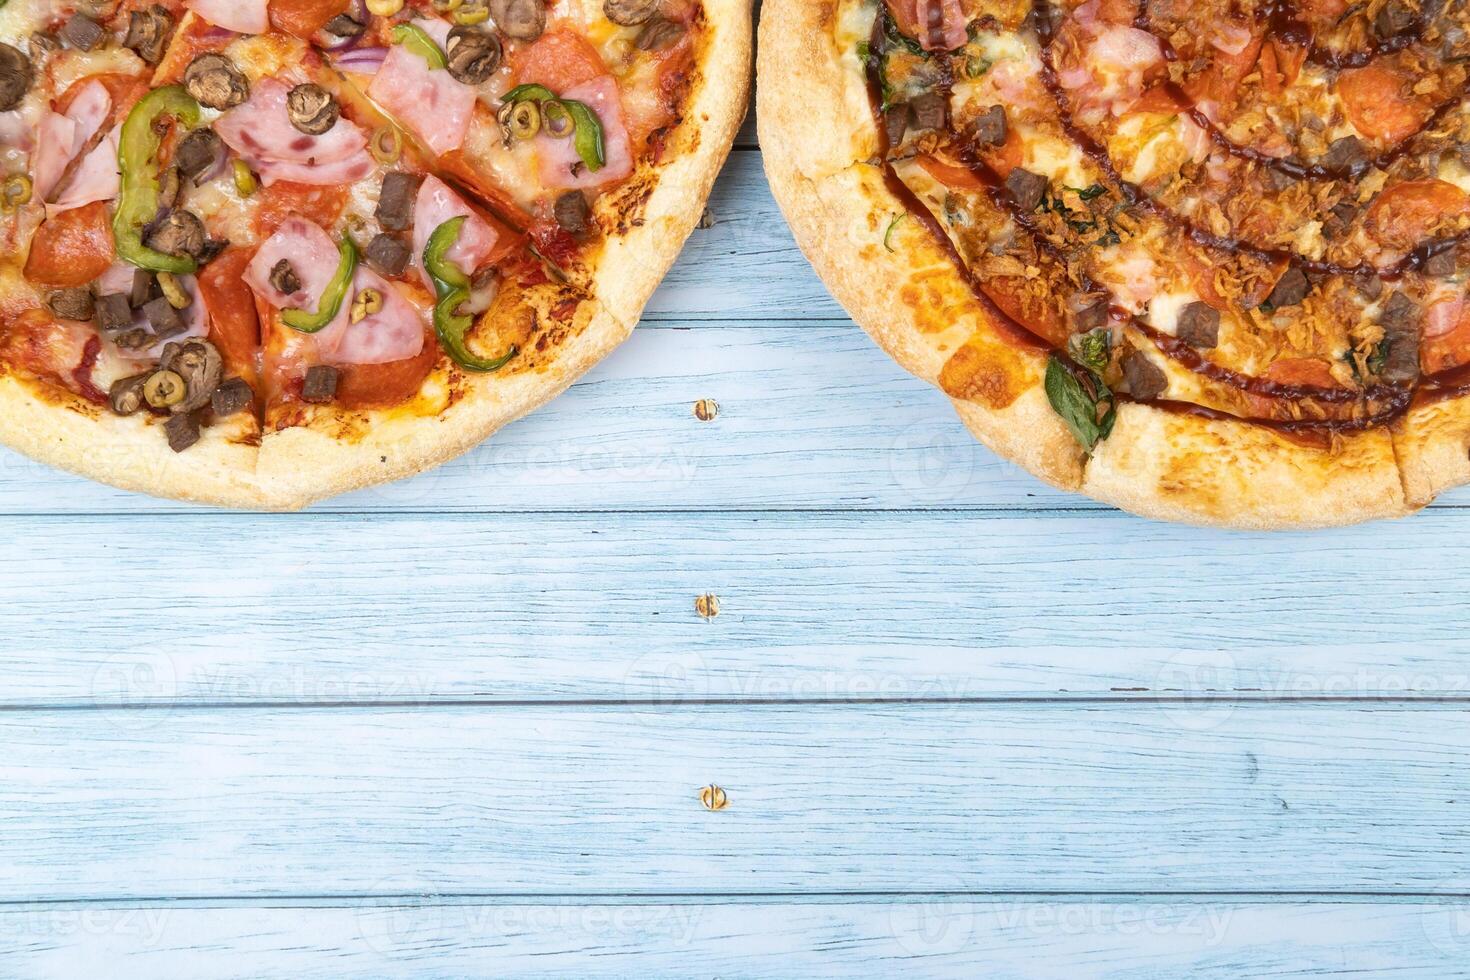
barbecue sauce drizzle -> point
(1445, 384)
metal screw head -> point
(707, 605)
(713, 797)
(706, 409)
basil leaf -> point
(1091, 349)
(1070, 399)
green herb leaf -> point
(1089, 193)
(888, 234)
(1089, 416)
(1091, 349)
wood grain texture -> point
(942, 936)
(138, 805)
(416, 607)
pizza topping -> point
(181, 235)
(521, 20)
(198, 155)
(232, 396)
(126, 396)
(73, 303)
(1395, 18)
(199, 365)
(62, 138)
(658, 34)
(938, 25)
(564, 117)
(309, 253)
(416, 39)
(929, 110)
(474, 238)
(214, 81)
(396, 200)
(332, 294)
(138, 202)
(148, 32)
(320, 386)
(312, 109)
(1290, 289)
(15, 77)
(263, 133)
(452, 286)
(182, 431)
(384, 8)
(519, 120)
(1026, 188)
(380, 327)
(344, 26)
(164, 389)
(81, 32)
(71, 248)
(1198, 325)
(163, 318)
(1144, 378)
(387, 255)
(599, 152)
(15, 192)
(1399, 349)
(1347, 156)
(1082, 400)
(93, 178)
(571, 213)
(244, 178)
(386, 145)
(430, 102)
(474, 55)
(241, 16)
(989, 128)
(629, 12)
(113, 313)
(367, 302)
(283, 278)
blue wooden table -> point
(966, 725)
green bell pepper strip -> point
(417, 40)
(332, 296)
(452, 287)
(137, 160)
(587, 134)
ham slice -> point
(241, 16)
(60, 138)
(95, 179)
(437, 204)
(427, 100)
(313, 257)
(260, 131)
(562, 167)
(394, 333)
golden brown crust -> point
(1433, 445)
(915, 304)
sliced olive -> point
(520, 120)
(472, 12)
(173, 290)
(522, 20)
(629, 12)
(164, 389)
(365, 304)
(473, 55)
(15, 192)
(15, 77)
(214, 81)
(312, 109)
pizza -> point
(259, 252)
(1203, 260)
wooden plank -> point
(414, 607)
(923, 936)
(746, 266)
(254, 803)
(809, 417)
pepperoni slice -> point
(1408, 214)
(233, 326)
(303, 18)
(558, 59)
(1311, 371)
(321, 205)
(71, 248)
(1446, 336)
(382, 385)
(950, 175)
(1379, 104)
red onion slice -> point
(364, 60)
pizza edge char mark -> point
(1384, 402)
(376, 319)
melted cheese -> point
(1164, 308)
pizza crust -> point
(918, 308)
(1433, 444)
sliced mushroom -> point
(658, 34)
(522, 20)
(344, 25)
(15, 77)
(82, 32)
(312, 109)
(214, 81)
(199, 154)
(198, 362)
(148, 32)
(126, 395)
(76, 303)
(473, 55)
(181, 233)
(629, 12)
(284, 278)
(43, 43)
(571, 213)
